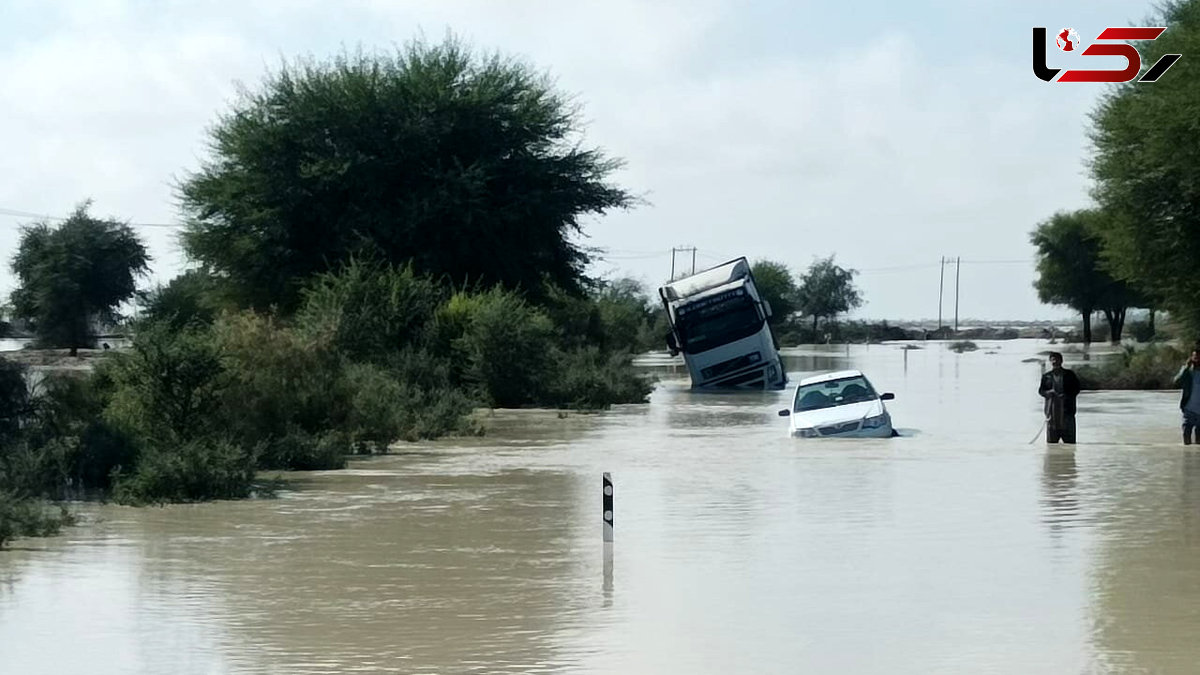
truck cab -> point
(719, 323)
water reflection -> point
(1189, 497)
(607, 585)
(1060, 503)
(1145, 574)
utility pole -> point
(957, 269)
(941, 283)
(682, 249)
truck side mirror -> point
(767, 308)
(785, 412)
(887, 397)
(672, 343)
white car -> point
(841, 404)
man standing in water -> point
(1059, 387)
(1189, 379)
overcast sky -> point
(887, 133)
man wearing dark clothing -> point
(1188, 380)
(1059, 387)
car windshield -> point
(729, 318)
(833, 393)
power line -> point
(1001, 262)
(16, 213)
(918, 266)
(644, 256)
(682, 249)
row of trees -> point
(1137, 247)
(822, 292)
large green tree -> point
(827, 290)
(777, 286)
(468, 167)
(75, 274)
(1072, 271)
(1147, 169)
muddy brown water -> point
(957, 548)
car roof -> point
(835, 375)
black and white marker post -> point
(607, 514)
(608, 507)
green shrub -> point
(386, 408)
(299, 450)
(1151, 367)
(79, 447)
(197, 470)
(624, 314)
(588, 379)
(961, 346)
(169, 386)
(576, 318)
(652, 335)
(505, 349)
(368, 310)
(308, 407)
(192, 298)
(25, 517)
(15, 401)
(282, 387)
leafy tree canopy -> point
(468, 167)
(75, 274)
(1072, 271)
(777, 286)
(1147, 169)
(827, 290)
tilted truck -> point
(719, 323)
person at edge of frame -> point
(1059, 387)
(1188, 379)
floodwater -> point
(958, 548)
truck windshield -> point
(718, 323)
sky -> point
(889, 135)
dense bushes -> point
(375, 354)
(21, 516)
(505, 349)
(1151, 367)
(588, 378)
(368, 310)
(193, 470)
(23, 511)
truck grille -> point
(730, 366)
